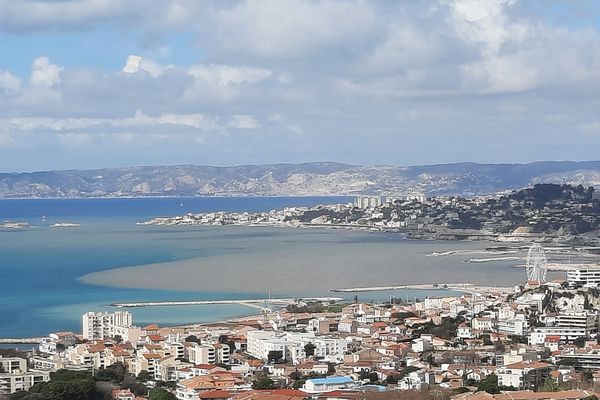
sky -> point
(107, 83)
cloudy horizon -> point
(92, 84)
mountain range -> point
(307, 179)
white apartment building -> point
(482, 324)
(568, 326)
(585, 320)
(515, 325)
(584, 277)
(523, 375)
(105, 325)
(368, 201)
(11, 383)
(291, 344)
(209, 353)
(539, 335)
(15, 376)
(13, 365)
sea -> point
(40, 266)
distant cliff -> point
(309, 179)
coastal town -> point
(563, 214)
(540, 341)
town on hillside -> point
(538, 342)
(563, 214)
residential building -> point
(105, 325)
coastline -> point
(309, 263)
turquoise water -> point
(39, 266)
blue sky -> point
(90, 83)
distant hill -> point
(308, 179)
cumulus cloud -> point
(44, 74)
(290, 29)
(8, 82)
(136, 64)
(348, 80)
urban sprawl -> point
(540, 341)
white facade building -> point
(584, 277)
(292, 345)
(368, 201)
(104, 325)
(15, 376)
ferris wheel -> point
(536, 264)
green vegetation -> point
(275, 356)
(309, 349)
(192, 339)
(161, 394)
(549, 385)
(262, 383)
(315, 307)
(64, 385)
(113, 373)
(489, 384)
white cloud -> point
(405, 46)
(244, 122)
(484, 22)
(44, 74)
(189, 120)
(289, 29)
(136, 64)
(354, 77)
(140, 119)
(226, 75)
(9, 83)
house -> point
(122, 394)
(190, 389)
(524, 374)
(464, 331)
(320, 385)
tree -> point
(143, 376)
(137, 388)
(161, 394)
(66, 385)
(296, 375)
(114, 373)
(193, 339)
(60, 347)
(298, 384)
(275, 356)
(549, 385)
(309, 349)
(460, 390)
(330, 369)
(579, 342)
(373, 377)
(224, 339)
(489, 384)
(118, 338)
(261, 383)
